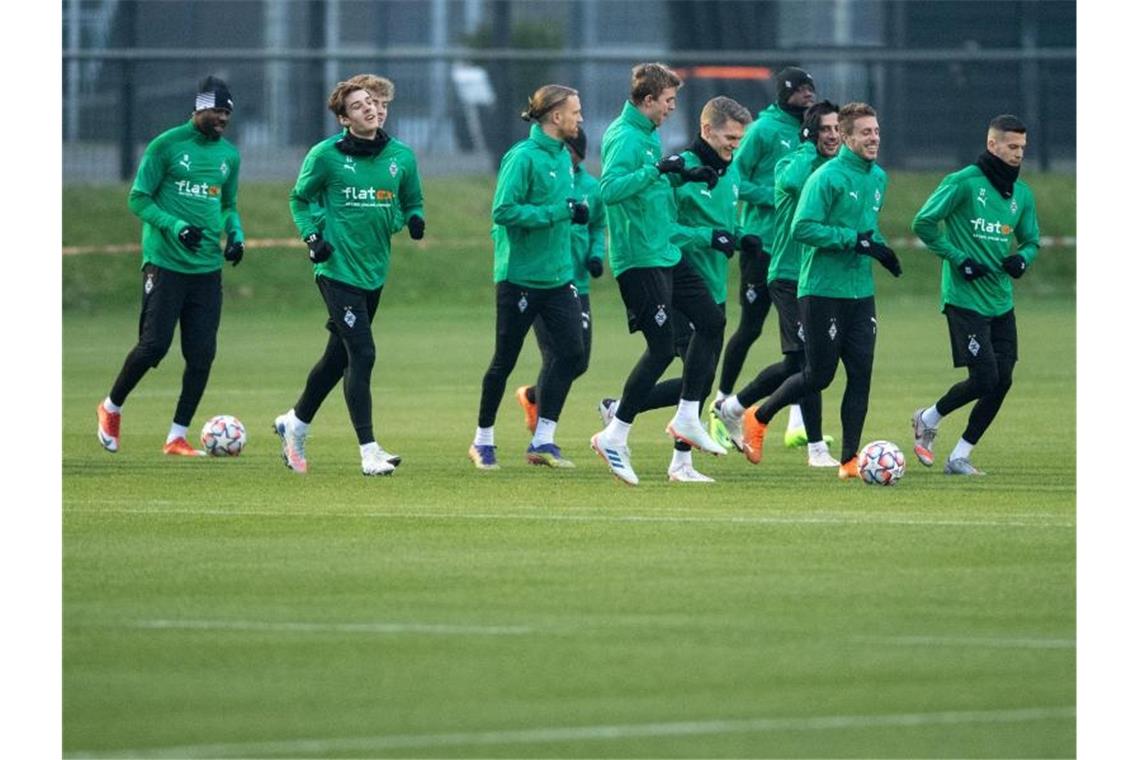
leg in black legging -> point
(754, 304)
(511, 326)
(201, 314)
(989, 404)
(323, 377)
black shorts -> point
(976, 338)
(837, 328)
(352, 310)
(784, 298)
(518, 306)
(657, 298)
(546, 339)
(170, 298)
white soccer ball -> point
(881, 463)
(223, 436)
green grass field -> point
(229, 608)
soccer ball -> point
(881, 463)
(223, 436)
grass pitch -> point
(229, 608)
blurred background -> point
(936, 70)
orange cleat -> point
(181, 447)
(754, 431)
(530, 409)
(109, 428)
(849, 470)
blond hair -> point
(544, 100)
(379, 86)
(849, 113)
(721, 110)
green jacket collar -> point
(773, 111)
(630, 115)
(197, 133)
(545, 141)
(850, 158)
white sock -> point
(485, 436)
(370, 446)
(962, 450)
(295, 422)
(795, 417)
(111, 407)
(731, 406)
(688, 410)
(720, 396)
(618, 432)
(543, 432)
(817, 448)
(931, 417)
(680, 458)
(176, 431)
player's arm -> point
(597, 228)
(625, 172)
(510, 207)
(148, 179)
(1027, 232)
(411, 197)
(756, 185)
(810, 226)
(231, 222)
(928, 222)
(306, 192)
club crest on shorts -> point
(349, 317)
(523, 303)
(660, 316)
(832, 331)
(973, 346)
(750, 294)
(800, 332)
(874, 326)
(149, 285)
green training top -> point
(774, 134)
(979, 224)
(587, 241)
(791, 173)
(185, 178)
(530, 216)
(366, 200)
(639, 200)
(699, 212)
(840, 200)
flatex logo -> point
(990, 228)
(197, 190)
(370, 196)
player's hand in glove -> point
(191, 237)
(1014, 265)
(579, 212)
(751, 246)
(319, 248)
(972, 270)
(671, 164)
(724, 242)
(234, 252)
(705, 174)
(416, 227)
(865, 245)
(594, 267)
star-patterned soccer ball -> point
(223, 436)
(881, 463)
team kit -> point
(793, 194)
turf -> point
(228, 608)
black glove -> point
(724, 242)
(319, 248)
(416, 227)
(1014, 265)
(579, 212)
(879, 252)
(191, 237)
(234, 252)
(972, 270)
(750, 245)
(671, 164)
(705, 174)
(594, 267)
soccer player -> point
(185, 193)
(369, 187)
(657, 286)
(587, 251)
(968, 222)
(837, 219)
(707, 234)
(774, 134)
(819, 143)
(532, 213)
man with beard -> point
(185, 193)
(967, 222)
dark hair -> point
(544, 100)
(813, 116)
(850, 112)
(1008, 123)
(651, 79)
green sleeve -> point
(597, 248)
(625, 175)
(152, 170)
(809, 226)
(686, 237)
(753, 189)
(307, 192)
(411, 191)
(230, 219)
(928, 221)
(1027, 232)
(510, 209)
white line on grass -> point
(861, 520)
(971, 641)
(322, 747)
(291, 627)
